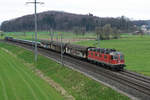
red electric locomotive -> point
(107, 57)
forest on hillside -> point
(65, 21)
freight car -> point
(76, 50)
(56, 46)
(53, 45)
(28, 42)
(109, 58)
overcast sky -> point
(134, 9)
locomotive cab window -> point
(121, 57)
(115, 57)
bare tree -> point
(76, 30)
(1, 34)
(107, 31)
(83, 30)
(100, 33)
(141, 32)
(115, 33)
(24, 33)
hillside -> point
(59, 20)
(18, 82)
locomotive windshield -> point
(117, 55)
(121, 57)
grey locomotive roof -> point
(103, 50)
(77, 47)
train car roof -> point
(45, 42)
(58, 43)
(77, 47)
(25, 40)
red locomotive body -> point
(107, 57)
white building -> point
(144, 28)
(148, 32)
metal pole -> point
(62, 51)
(57, 37)
(99, 42)
(35, 15)
(32, 41)
(51, 34)
(35, 33)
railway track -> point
(131, 80)
(136, 76)
(127, 78)
(136, 84)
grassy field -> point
(135, 48)
(78, 85)
(46, 35)
(17, 82)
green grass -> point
(135, 48)
(75, 83)
(46, 35)
(17, 82)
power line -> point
(35, 15)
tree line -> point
(67, 22)
(107, 32)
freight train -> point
(109, 58)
